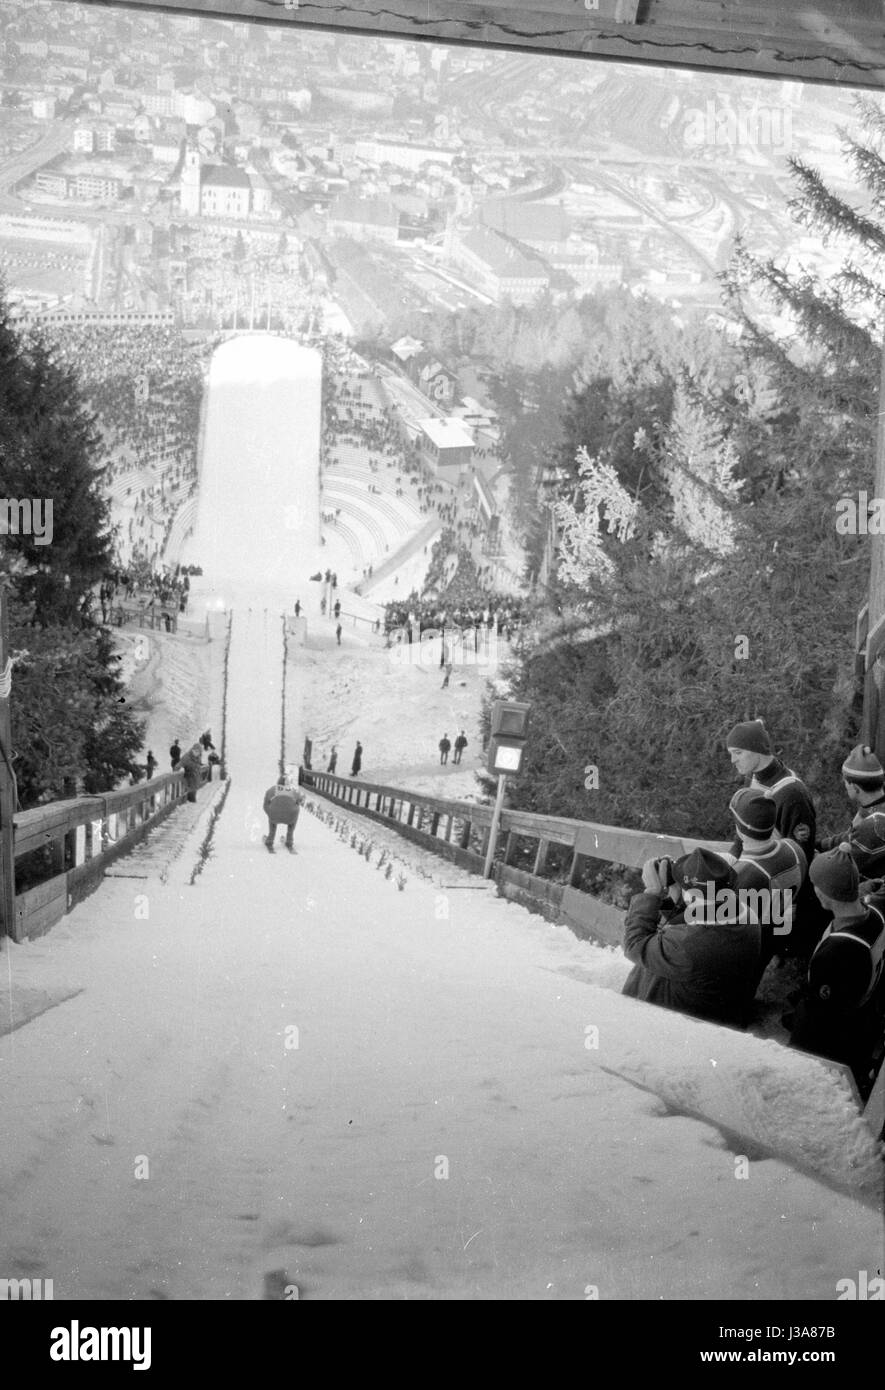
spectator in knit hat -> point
(842, 1009)
(770, 864)
(863, 778)
(751, 753)
(691, 951)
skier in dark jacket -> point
(175, 754)
(206, 741)
(281, 806)
(191, 764)
(460, 745)
(684, 958)
(841, 1013)
(357, 760)
(444, 746)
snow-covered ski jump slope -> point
(293, 1075)
(256, 535)
(258, 515)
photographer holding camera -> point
(694, 948)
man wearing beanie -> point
(842, 1012)
(750, 748)
(687, 953)
(864, 781)
(770, 865)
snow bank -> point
(783, 1102)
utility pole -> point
(505, 755)
(874, 648)
(493, 830)
(7, 780)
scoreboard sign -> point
(508, 736)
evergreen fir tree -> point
(69, 719)
(48, 444)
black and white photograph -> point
(442, 662)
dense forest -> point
(70, 724)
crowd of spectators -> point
(145, 385)
(496, 611)
(165, 589)
(144, 382)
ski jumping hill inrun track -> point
(340, 1089)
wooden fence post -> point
(577, 868)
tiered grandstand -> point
(369, 500)
(181, 527)
(373, 524)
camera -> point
(664, 870)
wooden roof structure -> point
(840, 42)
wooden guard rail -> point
(84, 836)
(459, 831)
(154, 615)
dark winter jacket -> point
(796, 816)
(782, 867)
(281, 806)
(842, 1010)
(865, 837)
(709, 970)
(796, 820)
(190, 766)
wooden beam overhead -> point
(838, 42)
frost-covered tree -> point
(601, 505)
(699, 463)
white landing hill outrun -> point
(257, 532)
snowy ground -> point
(439, 1131)
(397, 709)
(292, 1073)
(174, 684)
